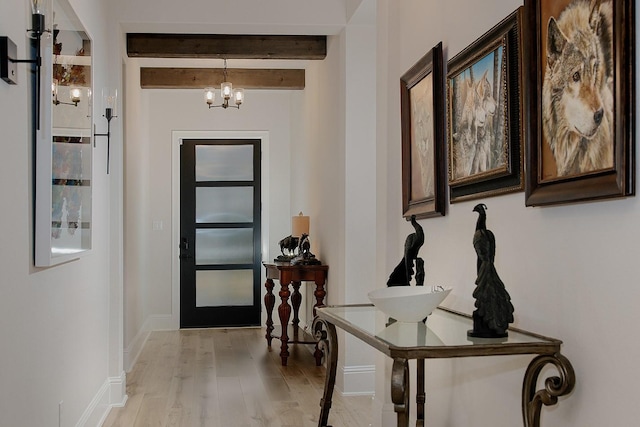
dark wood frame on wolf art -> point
(508, 177)
(431, 63)
(618, 181)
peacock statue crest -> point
(494, 310)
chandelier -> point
(226, 93)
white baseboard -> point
(356, 380)
(112, 393)
(131, 353)
(386, 413)
(156, 322)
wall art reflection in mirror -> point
(63, 143)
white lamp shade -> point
(299, 225)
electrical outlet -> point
(157, 225)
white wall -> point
(571, 271)
(58, 363)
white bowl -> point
(408, 303)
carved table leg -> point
(325, 334)
(421, 397)
(269, 303)
(296, 300)
(400, 390)
(555, 387)
(284, 311)
(319, 293)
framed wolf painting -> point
(484, 115)
(579, 66)
(422, 121)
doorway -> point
(220, 232)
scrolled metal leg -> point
(325, 334)
(400, 390)
(555, 386)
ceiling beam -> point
(247, 78)
(229, 46)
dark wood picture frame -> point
(603, 165)
(484, 105)
(423, 145)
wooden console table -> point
(292, 274)
(443, 336)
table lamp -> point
(290, 245)
(300, 231)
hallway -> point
(228, 378)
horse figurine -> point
(289, 243)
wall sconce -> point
(74, 95)
(226, 92)
(110, 98)
(40, 25)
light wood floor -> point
(228, 378)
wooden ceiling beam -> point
(229, 46)
(247, 78)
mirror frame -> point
(63, 155)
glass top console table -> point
(443, 336)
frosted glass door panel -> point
(224, 204)
(216, 288)
(224, 163)
(224, 246)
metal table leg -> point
(400, 390)
(325, 334)
(555, 386)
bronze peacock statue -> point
(402, 274)
(494, 310)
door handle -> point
(184, 244)
(184, 248)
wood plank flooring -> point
(229, 378)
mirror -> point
(63, 142)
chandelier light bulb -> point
(239, 96)
(226, 90)
(209, 95)
(75, 93)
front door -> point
(220, 233)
